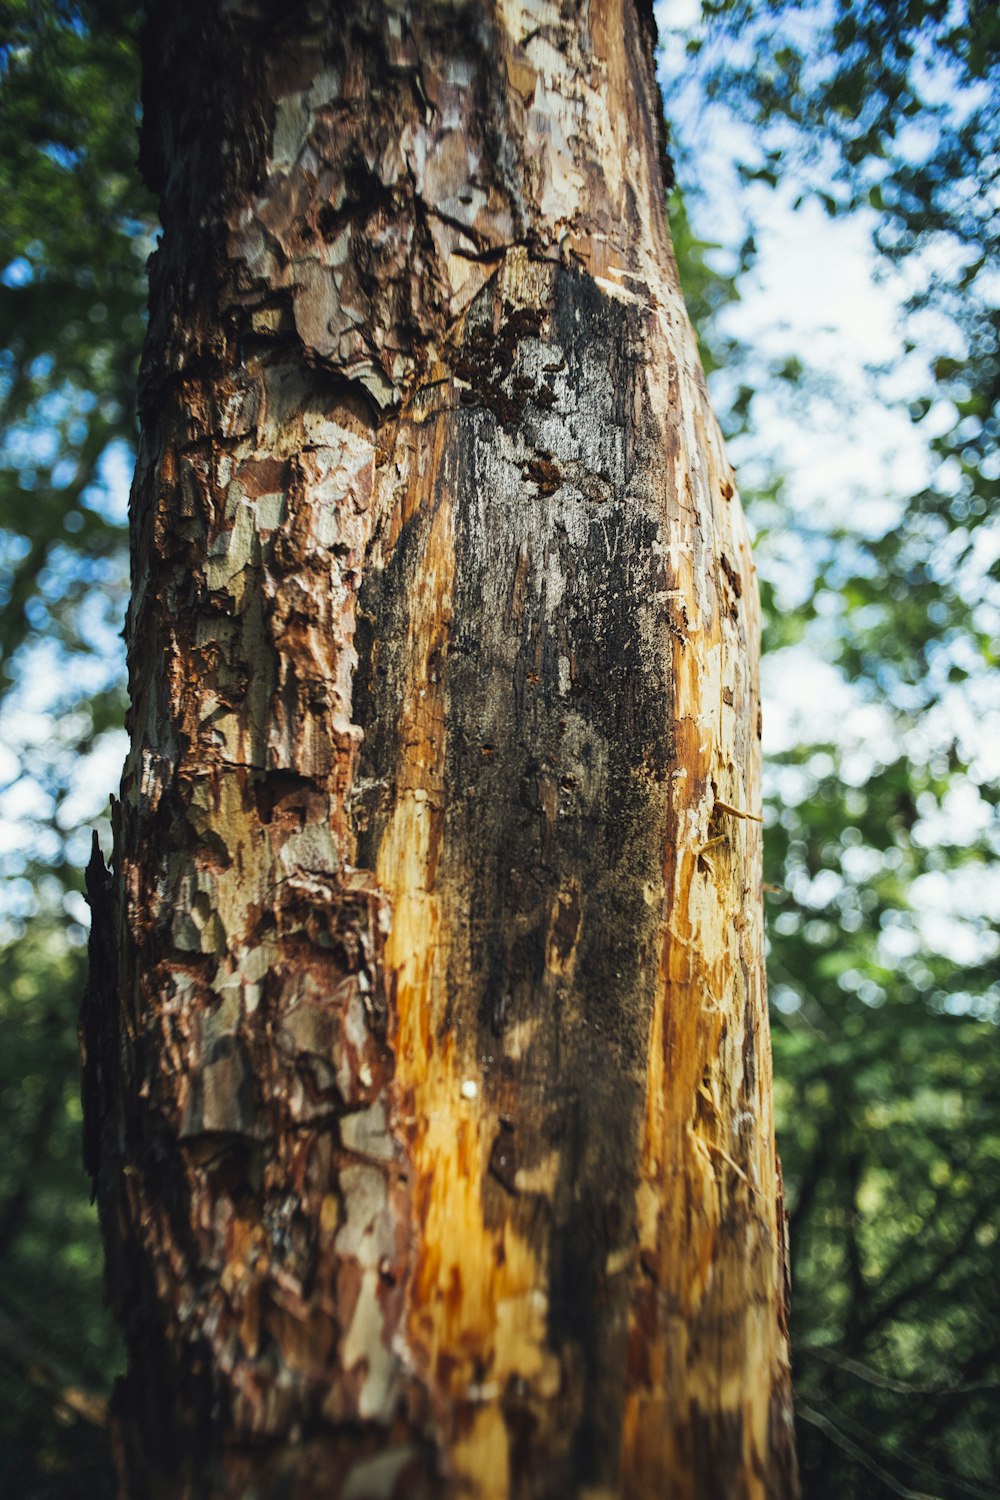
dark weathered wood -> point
(430, 1109)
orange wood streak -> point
(477, 1308)
(710, 1265)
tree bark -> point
(429, 1092)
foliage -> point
(880, 838)
(74, 235)
(51, 1312)
(73, 244)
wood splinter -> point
(737, 812)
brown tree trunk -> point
(429, 1094)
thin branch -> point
(886, 1382)
(842, 1441)
(862, 1434)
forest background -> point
(872, 490)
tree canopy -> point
(883, 847)
(881, 841)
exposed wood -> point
(431, 1109)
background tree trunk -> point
(428, 1097)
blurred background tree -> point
(882, 825)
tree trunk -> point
(429, 1096)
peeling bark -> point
(427, 1061)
